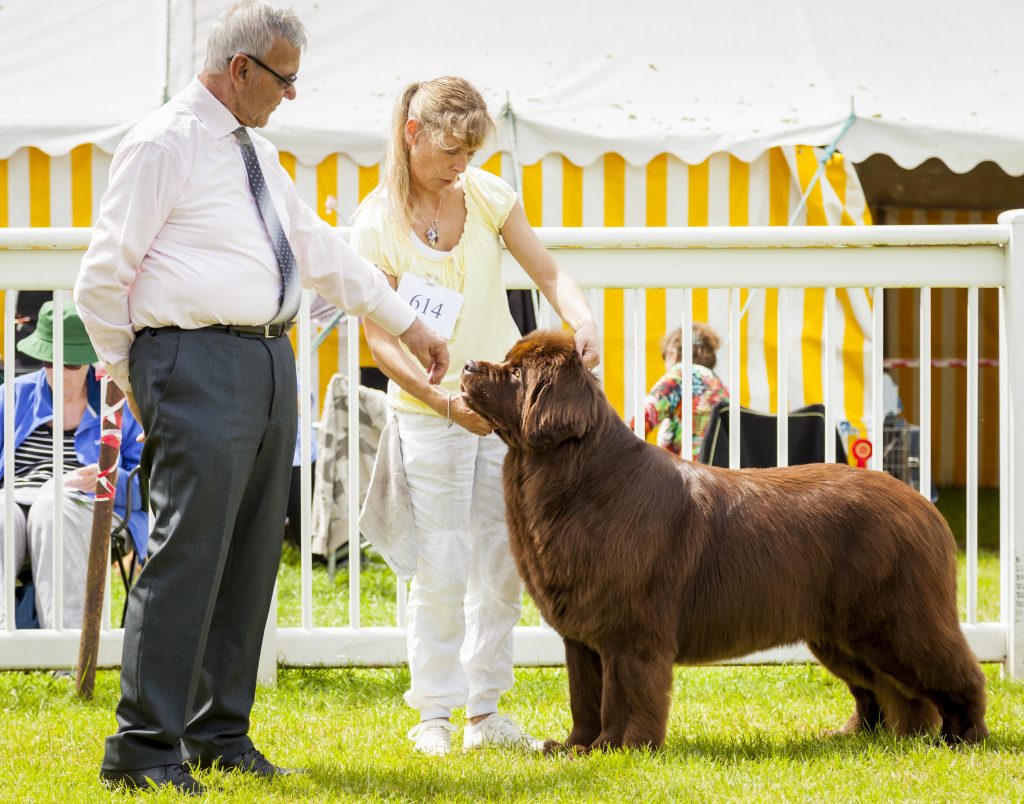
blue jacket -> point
(33, 406)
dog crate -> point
(901, 450)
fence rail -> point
(636, 259)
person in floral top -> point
(662, 403)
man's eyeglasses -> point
(71, 367)
(285, 82)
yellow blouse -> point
(485, 329)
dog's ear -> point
(561, 400)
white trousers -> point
(33, 536)
(466, 596)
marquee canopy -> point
(583, 78)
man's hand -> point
(429, 348)
(587, 344)
(133, 406)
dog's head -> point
(540, 396)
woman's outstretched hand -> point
(467, 418)
(587, 343)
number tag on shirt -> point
(438, 306)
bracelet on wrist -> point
(450, 421)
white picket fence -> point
(879, 257)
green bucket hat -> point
(78, 349)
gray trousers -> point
(220, 417)
(33, 536)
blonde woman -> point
(433, 228)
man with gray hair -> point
(190, 282)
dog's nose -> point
(471, 367)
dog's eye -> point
(516, 373)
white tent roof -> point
(77, 72)
(583, 77)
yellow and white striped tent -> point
(648, 113)
(37, 190)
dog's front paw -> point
(552, 747)
(572, 749)
(854, 725)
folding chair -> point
(806, 429)
(121, 542)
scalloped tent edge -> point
(929, 79)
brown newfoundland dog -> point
(640, 560)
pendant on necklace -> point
(432, 234)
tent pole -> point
(167, 53)
(507, 113)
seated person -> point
(661, 405)
(34, 470)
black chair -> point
(121, 543)
(758, 432)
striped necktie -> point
(288, 299)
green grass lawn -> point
(953, 505)
(736, 733)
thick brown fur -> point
(640, 560)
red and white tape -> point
(110, 436)
(937, 362)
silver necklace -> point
(432, 232)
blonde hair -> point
(705, 344)
(444, 107)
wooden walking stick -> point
(99, 543)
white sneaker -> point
(433, 737)
(499, 730)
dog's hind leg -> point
(963, 715)
(940, 668)
(584, 669)
(905, 715)
(957, 688)
(635, 699)
(960, 698)
(859, 678)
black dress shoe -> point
(162, 776)
(252, 761)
